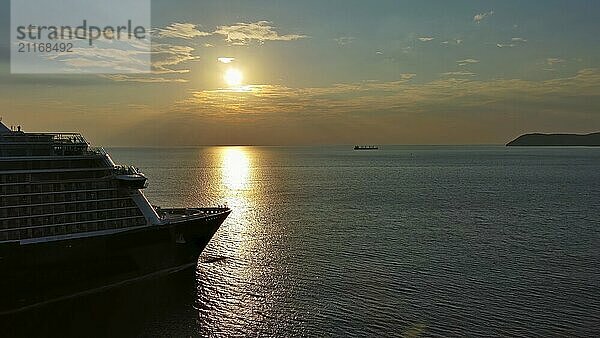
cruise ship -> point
(72, 221)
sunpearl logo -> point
(90, 37)
(83, 32)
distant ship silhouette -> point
(366, 148)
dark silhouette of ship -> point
(72, 221)
(366, 148)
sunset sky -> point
(332, 72)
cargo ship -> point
(366, 148)
(72, 221)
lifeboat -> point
(131, 177)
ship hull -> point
(38, 273)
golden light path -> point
(236, 168)
(244, 242)
(237, 190)
(239, 237)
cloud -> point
(452, 42)
(129, 57)
(458, 74)
(446, 110)
(142, 78)
(106, 57)
(181, 31)
(168, 63)
(225, 59)
(260, 31)
(471, 61)
(237, 34)
(554, 61)
(257, 100)
(479, 17)
(487, 106)
(408, 76)
(168, 58)
(426, 39)
(345, 40)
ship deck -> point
(181, 214)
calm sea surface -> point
(327, 241)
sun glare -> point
(233, 77)
(236, 168)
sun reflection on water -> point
(239, 192)
(237, 277)
(235, 168)
(240, 275)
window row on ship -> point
(49, 163)
(7, 177)
(68, 207)
(15, 189)
(69, 229)
(63, 218)
(13, 201)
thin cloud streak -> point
(261, 31)
(180, 30)
(481, 16)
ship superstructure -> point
(69, 213)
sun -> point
(233, 77)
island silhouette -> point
(537, 139)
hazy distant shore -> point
(589, 140)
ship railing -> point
(98, 151)
(69, 138)
(189, 211)
(58, 139)
(127, 170)
(173, 214)
(108, 161)
(69, 144)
